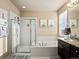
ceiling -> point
(39, 5)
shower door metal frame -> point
(30, 18)
(31, 32)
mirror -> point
(73, 16)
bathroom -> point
(33, 29)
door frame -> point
(24, 18)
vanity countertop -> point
(70, 41)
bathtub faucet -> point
(42, 44)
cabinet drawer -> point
(63, 43)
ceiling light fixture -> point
(23, 7)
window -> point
(62, 22)
(3, 30)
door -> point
(33, 32)
(25, 32)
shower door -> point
(27, 35)
(28, 32)
(25, 32)
(15, 34)
(33, 32)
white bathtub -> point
(46, 41)
(45, 46)
(44, 51)
(48, 50)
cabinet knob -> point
(76, 51)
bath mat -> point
(18, 57)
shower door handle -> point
(28, 25)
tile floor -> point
(45, 57)
(27, 57)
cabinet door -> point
(63, 49)
(60, 49)
(67, 51)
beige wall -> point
(6, 4)
(43, 15)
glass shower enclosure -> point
(23, 35)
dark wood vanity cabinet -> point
(74, 52)
(67, 51)
(63, 49)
